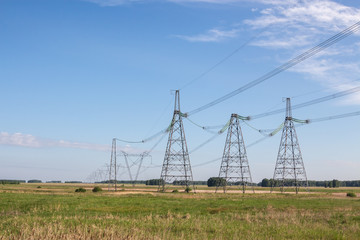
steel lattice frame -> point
(235, 165)
(113, 167)
(176, 166)
(289, 169)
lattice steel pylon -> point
(176, 167)
(234, 167)
(289, 169)
(113, 168)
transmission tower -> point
(176, 167)
(234, 167)
(289, 169)
(138, 162)
(113, 167)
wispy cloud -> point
(28, 140)
(299, 25)
(212, 35)
(302, 20)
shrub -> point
(216, 181)
(154, 182)
(97, 189)
(351, 194)
(38, 187)
(80, 190)
(34, 181)
(188, 189)
(175, 191)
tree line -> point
(311, 183)
(211, 182)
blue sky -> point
(76, 73)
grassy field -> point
(55, 211)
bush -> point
(175, 191)
(34, 181)
(154, 182)
(188, 189)
(97, 189)
(38, 187)
(216, 181)
(80, 190)
(351, 194)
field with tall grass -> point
(56, 211)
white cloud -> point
(27, 140)
(308, 19)
(212, 35)
(299, 25)
(19, 139)
(336, 75)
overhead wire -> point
(205, 163)
(222, 60)
(269, 135)
(202, 127)
(308, 121)
(161, 115)
(308, 103)
(333, 117)
(221, 131)
(300, 58)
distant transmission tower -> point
(138, 162)
(234, 167)
(113, 167)
(176, 168)
(289, 169)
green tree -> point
(216, 181)
(154, 182)
(265, 183)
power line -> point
(146, 139)
(222, 60)
(208, 162)
(300, 58)
(311, 102)
(308, 121)
(345, 115)
(206, 128)
(301, 123)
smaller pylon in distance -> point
(112, 184)
(234, 167)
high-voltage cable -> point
(222, 60)
(146, 139)
(208, 162)
(276, 130)
(300, 58)
(311, 102)
(345, 115)
(205, 128)
(221, 131)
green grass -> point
(57, 212)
